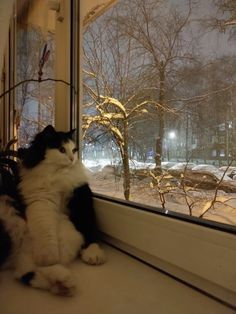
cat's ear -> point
(48, 133)
(49, 130)
(71, 133)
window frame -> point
(200, 256)
(133, 228)
(8, 80)
(63, 91)
(63, 70)
(198, 252)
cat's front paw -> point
(93, 255)
(45, 256)
(62, 283)
(56, 278)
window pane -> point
(159, 117)
(35, 38)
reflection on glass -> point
(34, 102)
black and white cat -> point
(60, 221)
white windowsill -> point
(122, 285)
(204, 258)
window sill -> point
(202, 257)
(122, 285)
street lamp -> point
(171, 136)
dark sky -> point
(212, 42)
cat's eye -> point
(62, 150)
(75, 150)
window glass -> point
(159, 112)
(35, 47)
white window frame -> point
(201, 256)
(63, 69)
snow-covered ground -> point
(103, 180)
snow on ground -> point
(214, 170)
(104, 181)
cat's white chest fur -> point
(46, 189)
(47, 180)
(66, 179)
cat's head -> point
(51, 146)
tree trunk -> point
(186, 138)
(159, 139)
(125, 160)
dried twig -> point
(36, 81)
(161, 186)
(210, 204)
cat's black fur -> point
(81, 208)
(5, 243)
(82, 214)
(48, 138)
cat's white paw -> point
(45, 256)
(57, 279)
(63, 288)
(62, 283)
(93, 255)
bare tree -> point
(226, 14)
(114, 97)
(158, 33)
